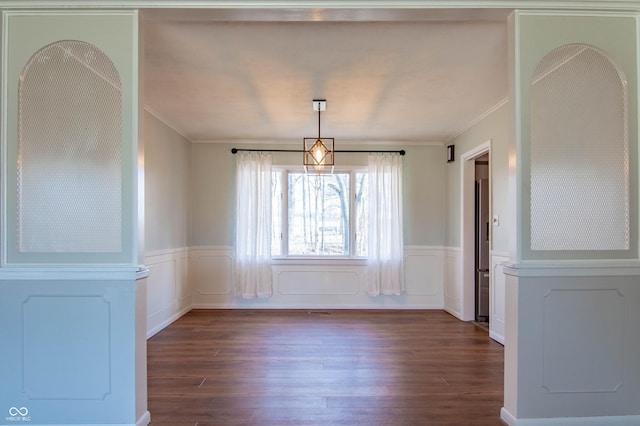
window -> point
(319, 215)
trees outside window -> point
(319, 215)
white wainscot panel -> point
(570, 353)
(182, 273)
(497, 288)
(424, 272)
(69, 349)
(315, 283)
(452, 282)
(161, 286)
(56, 326)
(212, 271)
(312, 280)
(168, 288)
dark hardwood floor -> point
(264, 367)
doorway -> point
(469, 270)
(481, 236)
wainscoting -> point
(168, 288)
(497, 282)
(579, 360)
(455, 292)
(453, 281)
(317, 284)
(71, 346)
(202, 278)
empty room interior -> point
(319, 213)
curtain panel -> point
(385, 275)
(252, 272)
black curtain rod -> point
(236, 150)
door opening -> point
(468, 265)
(481, 237)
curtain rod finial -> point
(234, 150)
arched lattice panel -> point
(579, 152)
(69, 170)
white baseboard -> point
(498, 338)
(258, 306)
(155, 330)
(168, 287)
(144, 420)
(510, 420)
(454, 313)
(507, 417)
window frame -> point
(284, 257)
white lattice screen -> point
(69, 189)
(579, 152)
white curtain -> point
(252, 275)
(386, 243)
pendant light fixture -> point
(318, 152)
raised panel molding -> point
(201, 277)
(72, 351)
(452, 282)
(315, 284)
(182, 277)
(55, 326)
(570, 353)
(168, 288)
(424, 271)
(163, 285)
(213, 271)
(497, 289)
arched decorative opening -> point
(579, 154)
(69, 155)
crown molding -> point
(612, 5)
(479, 118)
(166, 122)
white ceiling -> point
(387, 75)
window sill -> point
(327, 261)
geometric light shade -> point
(318, 155)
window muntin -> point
(362, 214)
(276, 213)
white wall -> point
(213, 190)
(71, 352)
(493, 129)
(316, 284)
(167, 186)
(572, 341)
(191, 217)
(190, 220)
(167, 201)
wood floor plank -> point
(253, 367)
